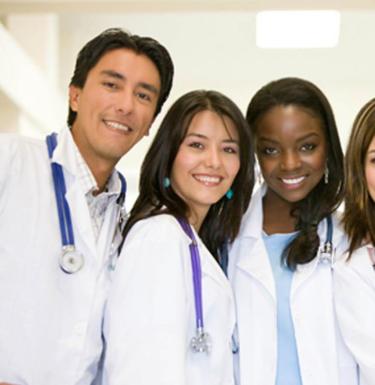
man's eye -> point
(144, 96)
(110, 85)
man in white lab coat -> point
(50, 319)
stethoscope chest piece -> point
(201, 343)
(71, 261)
(326, 252)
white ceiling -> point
(14, 6)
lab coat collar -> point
(65, 152)
(361, 263)
(66, 156)
(252, 221)
(249, 253)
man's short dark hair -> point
(116, 38)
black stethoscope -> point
(71, 260)
(325, 255)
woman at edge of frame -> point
(354, 274)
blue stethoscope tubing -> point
(202, 341)
(71, 260)
(65, 219)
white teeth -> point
(293, 180)
(117, 126)
(207, 179)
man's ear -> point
(74, 94)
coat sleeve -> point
(146, 315)
(354, 293)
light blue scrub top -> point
(288, 370)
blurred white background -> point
(212, 43)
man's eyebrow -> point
(149, 87)
(113, 74)
(119, 76)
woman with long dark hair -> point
(280, 264)
(170, 314)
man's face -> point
(116, 106)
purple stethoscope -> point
(201, 342)
(71, 260)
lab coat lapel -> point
(248, 251)
(302, 274)
(209, 267)
(81, 217)
(65, 155)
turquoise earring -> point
(229, 194)
(166, 182)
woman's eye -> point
(269, 151)
(308, 147)
(196, 145)
(231, 150)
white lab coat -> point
(354, 290)
(150, 315)
(323, 358)
(50, 322)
